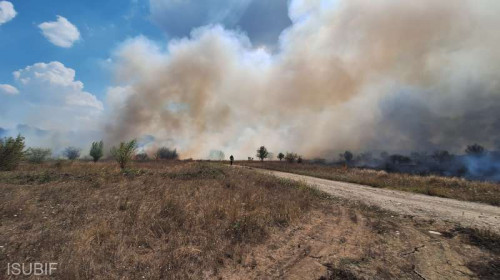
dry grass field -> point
(195, 220)
(455, 188)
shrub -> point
(299, 160)
(475, 150)
(319, 161)
(166, 153)
(281, 156)
(97, 150)
(142, 157)
(216, 155)
(291, 157)
(124, 153)
(72, 153)
(11, 152)
(348, 156)
(442, 156)
(37, 155)
(399, 159)
(262, 153)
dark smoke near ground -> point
(475, 164)
(361, 75)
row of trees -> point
(441, 156)
(263, 153)
(12, 151)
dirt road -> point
(467, 214)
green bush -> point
(124, 153)
(38, 155)
(97, 150)
(11, 152)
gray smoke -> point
(357, 74)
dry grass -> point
(172, 221)
(456, 188)
(191, 220)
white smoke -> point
(353, 74)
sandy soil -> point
(467, 214)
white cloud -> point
(7, 12)
(61, 33)
(8, 89)
(51, 98)
(53, 81)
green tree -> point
(281, 156)
(97, 150)
(262, 153)
(11, 152)
(124, 153)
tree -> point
(167, 154)
(475, 150)
(97, 150)
(37, 155)
(299, 160)
(291, 157)
(262, 153)
(11, 152)
(281, 156)
(348, 156)
(72, 153)
(124, 153)
(442, 156)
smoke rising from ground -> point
(357, 74)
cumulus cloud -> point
(50, 98)
(8, 89)
(7, 12)
(355, 75)
(61, 32)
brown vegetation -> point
(455, 188)
(191, 220)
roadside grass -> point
(455, 188)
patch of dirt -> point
(328, 245)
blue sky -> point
(103, 25)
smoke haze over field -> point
(357, 74)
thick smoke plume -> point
(356, 74)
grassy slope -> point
(455, 188)
(200, 220)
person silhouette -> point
(231, 158)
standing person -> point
(231, 158)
